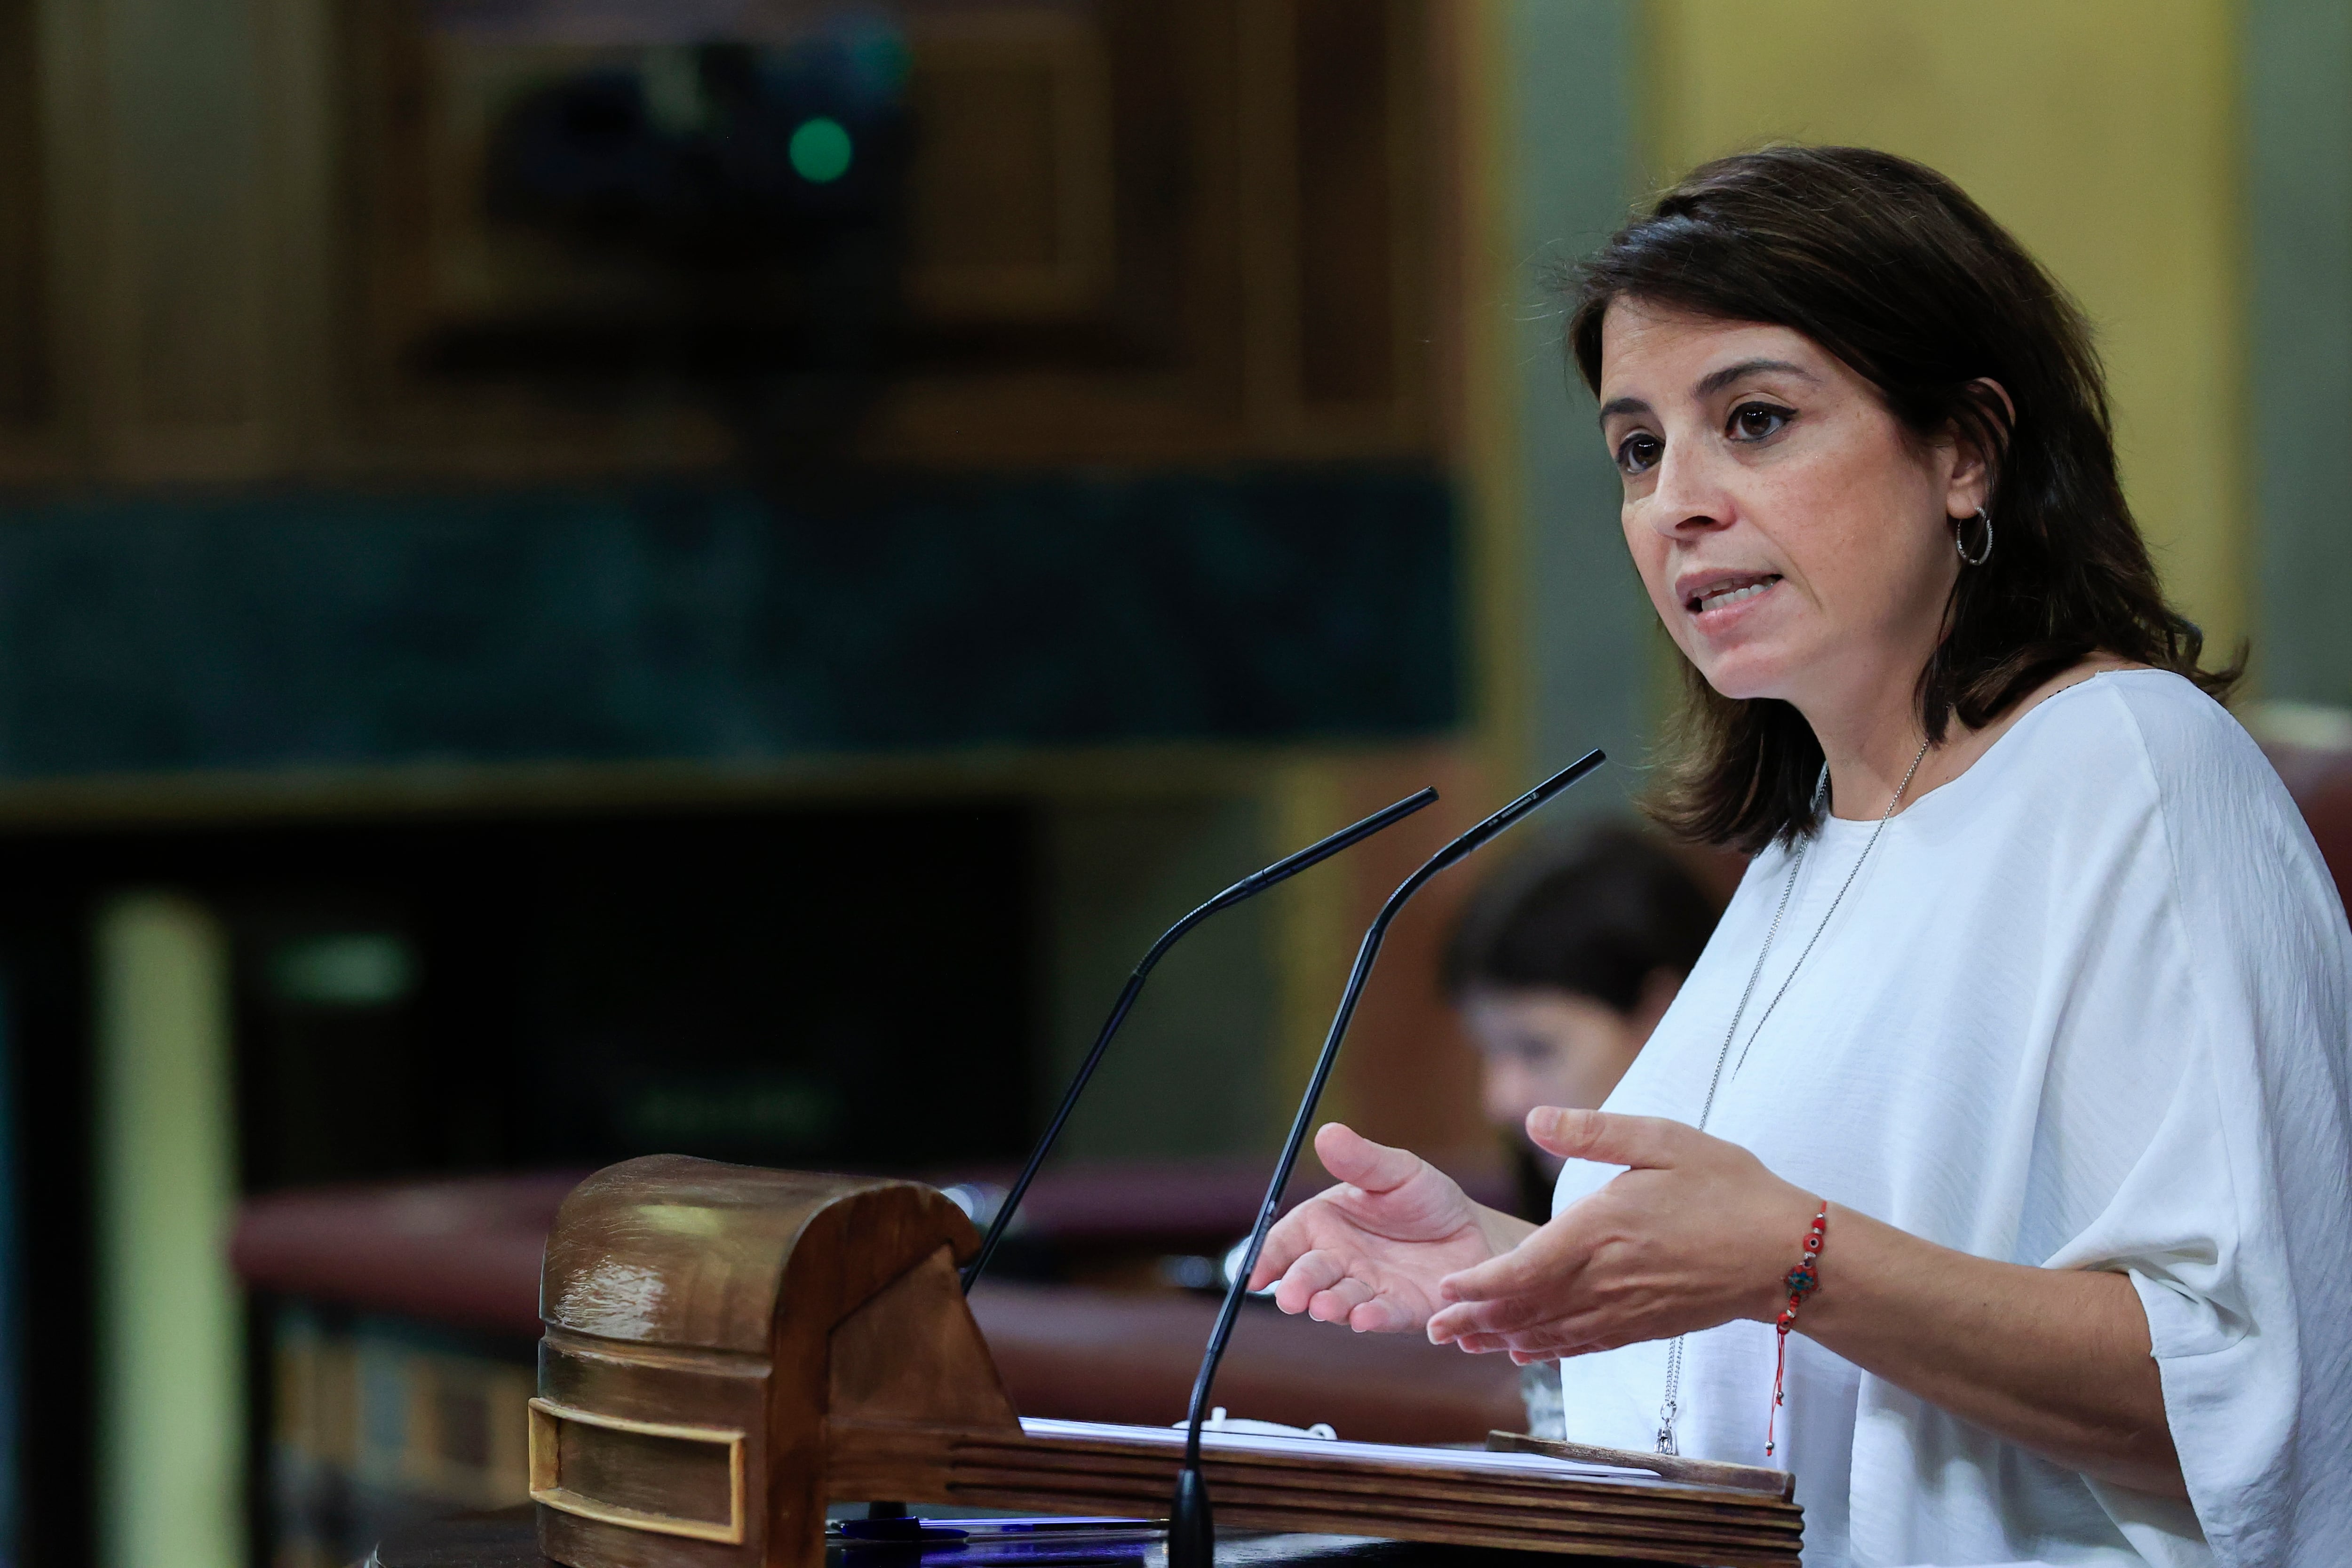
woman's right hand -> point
(1370, 1251)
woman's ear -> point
(1974, 468)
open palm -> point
(1370, 1251)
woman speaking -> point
(1992, 1170)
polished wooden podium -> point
(509, 1539)
(728, 1348)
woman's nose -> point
(1509, 1095)
(1689, 496)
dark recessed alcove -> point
(816, 986)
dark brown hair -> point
(1597, 923)
(1891, 268)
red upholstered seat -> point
(2320, 779)
(465, 1255)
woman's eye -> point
(1638, 453)
(1755, 421)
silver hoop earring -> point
(1960, 543)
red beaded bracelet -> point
(1803, 1281)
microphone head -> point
(1549, 788)
(1520, 807)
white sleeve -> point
(2235, 1221)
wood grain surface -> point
(727, 1349)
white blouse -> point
(2085, 1007)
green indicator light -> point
(820, 151)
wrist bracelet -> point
(1803, 1281)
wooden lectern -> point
(727, 1349)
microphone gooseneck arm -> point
(1190, 1531)
(1248, 887)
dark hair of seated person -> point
(1597, 919)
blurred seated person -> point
(1561, 970)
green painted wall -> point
(1570, 186)
(2298, 96)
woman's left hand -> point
(1695, 1233)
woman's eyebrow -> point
(1714, 381)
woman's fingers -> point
(1308, 1275)
(1541, 1262)
(1499, 1315)
(1645, 1143)
(1356, 1160)
(1337, 1304)
(1550, 1341)
(1284, 1244)
(1381, 1315)
(1322, 1285)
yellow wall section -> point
(170, 1402)
(2103, 132)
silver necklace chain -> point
(1668, 1410)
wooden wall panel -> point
(30, 444)
(23, 349)
(1141, 231)
(1344, 165)
(1012, 202)
(158, 120)
(1341, 230)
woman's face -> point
(1543, 1046)
(1793, 538)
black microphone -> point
(1191, 1526)
(1256, 882)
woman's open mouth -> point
(1724, 595)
